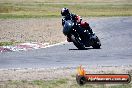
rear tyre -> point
(77, 42)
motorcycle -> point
(80, 37)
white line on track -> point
(61, 43)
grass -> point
(57, 83)
(8, 43)
(70, 1)
(42, 9)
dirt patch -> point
(31, 30)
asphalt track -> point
(115, 34)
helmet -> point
(64, 11)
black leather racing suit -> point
(73, 18)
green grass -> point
(8, 43)
(38, 10)
(57, 83)
(70, 1)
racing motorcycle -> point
(80, 37)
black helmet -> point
(64, 11)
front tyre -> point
(96, 43)
(77, 42)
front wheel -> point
(96, 43)
(77, 42)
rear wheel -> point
(77, 42)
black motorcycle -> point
(80, 37)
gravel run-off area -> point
(31, 30)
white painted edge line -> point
(61, 43)
(38, 47)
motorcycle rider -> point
(75, 18)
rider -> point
(69, 16)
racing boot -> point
(69, 39)
(90, 30)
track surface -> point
(115, 34)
